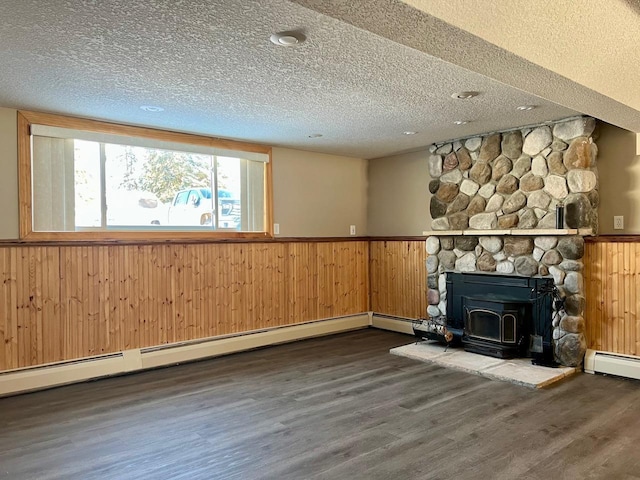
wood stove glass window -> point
(483, 324)
(509, 328)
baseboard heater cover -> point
(596, 361)
(53, 375)
(171, 355)
(392, 323)
(62, 373)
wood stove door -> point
(497, 327)
(483, 324)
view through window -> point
(151, 187)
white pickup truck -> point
(195, 207)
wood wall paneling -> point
(612, 276)
(67, 302)
(398, 278)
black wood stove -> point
(496, 326)
(497, 314)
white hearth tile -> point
(519, 371)
(461, 360)
(420, 351)
(522, 372)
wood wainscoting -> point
(399, 277)
(612, 284)
(68, 302)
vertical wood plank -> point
(398, 278)
(636, 307)
(69, 302)
(612, 272)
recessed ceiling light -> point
(464, 95)
(287, 39)
(525, 108)
(409, 133)
(315, 135)
(461, 122)
(151, 108)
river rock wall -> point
(515, 180)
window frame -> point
(25, 199)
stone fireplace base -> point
(512, 196)
(559, 258)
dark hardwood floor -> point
(338, 407)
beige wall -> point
(619, 175)
(315, 195)
(398, 195)
(318, 195)
(321, 195)
(8, 174)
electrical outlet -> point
(352, 230)
(276, 228)
(618, 222)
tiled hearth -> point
(518, 370)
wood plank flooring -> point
(338, 407)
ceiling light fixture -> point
(151, 108)
(287, 39)
(409, 133)
(525, 108)
(464, 95)
(315, 135)
(461, 122)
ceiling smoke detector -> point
(287, 39)
(464, 95)
(314, 135)
(525, 108)
(461, 122)
(409, 133)
(151, 108)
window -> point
(94, 180)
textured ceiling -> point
(211, 66)
(582, 55)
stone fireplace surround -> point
(493, 206)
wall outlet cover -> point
(352, 230)
(276, 228)
(618, 222)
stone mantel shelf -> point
(536, 232)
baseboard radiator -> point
(56, 374)
(596, 361)
(392, 323)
